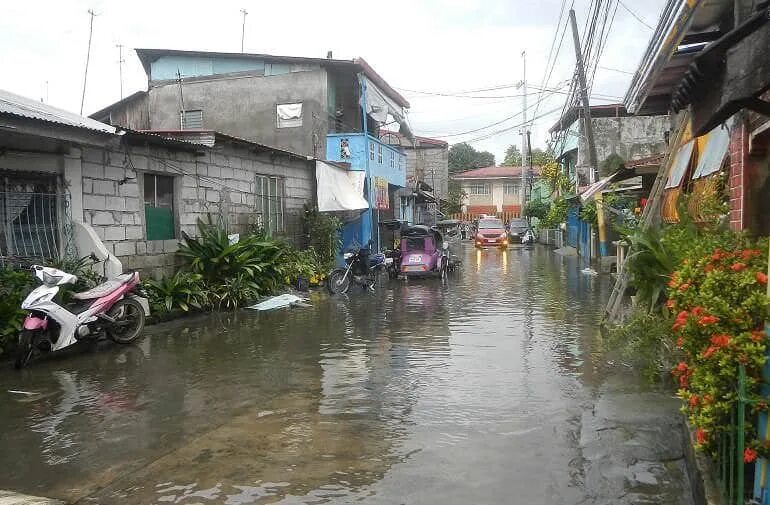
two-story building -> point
(493, 190)
(321, 107)
(618, 137)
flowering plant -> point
(720, 303)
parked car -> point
(517, 228)
(491, 233)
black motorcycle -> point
(363, 268)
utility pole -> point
(584, 96)
(88, 58)
(524, 138)
(243, 27)
(120, 67)
(182, 119)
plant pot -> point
(302, 284)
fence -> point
(469, 216)
(729, 468)
(552, 237)
(33, 225)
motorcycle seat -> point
(103, 289)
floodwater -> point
(487, 389)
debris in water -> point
(281, 301)
(588, 271)
(28, 393)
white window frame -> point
(269, 202)
(371, 150)
(379, 154)
(511, 188)
(479, 189)
(294, 122)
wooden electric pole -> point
(584, 96)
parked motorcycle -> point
(362, 268)
(112, 309)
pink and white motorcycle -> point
(113, 309)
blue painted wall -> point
(363, 149)
(166, 67)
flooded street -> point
(488, 389)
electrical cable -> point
(635, 15)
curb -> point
(700, 471)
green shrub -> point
(644, 341)
(14, 286)
(323, 234)
(557, 214)
(537, 208)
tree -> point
(512, 156)
(455, 198)
(539, 156)
(464, 157)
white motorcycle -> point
(113, 309)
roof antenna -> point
(243, 27)
(88, 58)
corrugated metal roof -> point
(17, 105)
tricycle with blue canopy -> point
(423, 252)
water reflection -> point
(372, 397)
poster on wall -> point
(381, 193)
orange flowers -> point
(700, 436)
(681, 320)
(720, 340)
(749, 455)
(758, 335)
(707, 320)
(684, 286)
(693, 400)
(737, 267)
(761, 277)
(710, 351)
(670, 303)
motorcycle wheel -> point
(25, 351)
(336, 282)
(129, 321)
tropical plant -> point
(537, 208)
(463, 157)
(214, 256)
(184, 291)
(644, 340)
(14, 286)
(233, 292)
(649, 266)
(721, 305)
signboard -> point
(382, 201)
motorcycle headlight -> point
(347, 255)
(51, 280)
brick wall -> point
(218, 184)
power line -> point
(616, 70)
(552, 61)
(635, 15)
(510, 128)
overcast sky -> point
(431, 46)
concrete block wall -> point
(216, 185)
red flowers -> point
(680, 342)
(681, 320)
(684, 286)
(737, 267)
(697, 311)
(761, 277)
(720, 340)
(707, 320)
(749, 455)
(693, 400)
(670, 303)
(710, 351)
(700, 436)
(757, 335)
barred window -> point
(269, 194)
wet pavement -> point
(487, 389)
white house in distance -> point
(491, 190)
